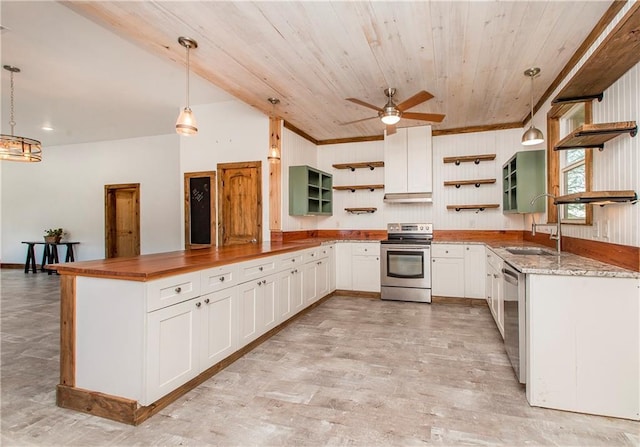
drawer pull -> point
(264, 281)
(198, 304)
(259, 283)
(319, 262)
(206, 301)
(178, 289)
(293, 271)
(293, 260)
(261, 268)
(222, 279)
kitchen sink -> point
(530, 251)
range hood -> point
(408, 197)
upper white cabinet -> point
(408, 161)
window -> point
(574, 165)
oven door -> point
(405, 266)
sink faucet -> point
(558, 234)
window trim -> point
(554, 171)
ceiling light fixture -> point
(274, 150)
(186, 124)
(532, 135)
(390, 114)
(15, 148)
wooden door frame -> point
(109, 210)
(187, 209)
(239, 165)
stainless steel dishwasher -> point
(515, 319)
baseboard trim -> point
(358, 294)
(473, 302)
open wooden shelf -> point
(353, 188)
(467, 158)
(476, 183)
(598, 197)
(473, 207)
(618, 52)
(361, 210)
(595, 135)
(360, 165)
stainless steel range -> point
(405, 267)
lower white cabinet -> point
(173, 347)
(258, 307)
(358, 266)
(290, 293)
(458, 270)
(185, 339)
(447, 270)
(493, 287)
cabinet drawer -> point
(218, 278)
(311, 254)
(447, 251)
(365, 248)
(257, 268)
(324, 251)
(172, 290)
(290, 260)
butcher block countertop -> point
(158, 265)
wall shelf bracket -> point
(478, 208)
(577, 99)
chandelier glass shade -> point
(186, 123)
(533, 135)
(13, 147)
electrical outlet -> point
(596, 229)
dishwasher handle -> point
(509, 276)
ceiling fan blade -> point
(362, 103)
(358, 121)
(435, 117)
(416, 99)
(391, 129)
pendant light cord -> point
(531, 102)
(188, 47)
(12, 121)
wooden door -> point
(122, 220)
(240, 203)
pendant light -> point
(15, 148)
(274, 150)
(532, 135)
(186, 124)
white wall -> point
(227, 132)
(66, 190)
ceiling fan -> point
(391, 113)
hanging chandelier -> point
(186, 124)
(16, 148)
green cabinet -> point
(310, 192)
(523, 179)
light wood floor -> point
(353, 371)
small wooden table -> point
(49, 256)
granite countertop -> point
(567, 264)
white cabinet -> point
(315, 275)
(219, 333)
(458, 270)
(330, 251)
(173, 348)
(493, 287)
(408, 160)
(447, 270)
(366, 266)
(343, 266)
(257, 307)
(290, 293)
(474, 271)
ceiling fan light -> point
(390, 116)
(186, 124)
(532, 137)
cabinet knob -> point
(264, 281)
(293, 272)
(366, 249)
(261, 268)
(467, 248)
(296, 270)
(178, 289)
(377, 258)
(222, 279)
(206, 301)
(433, 260)
(259, 283)
(198, 304)
(495, 276)
(319, 262)
(293, 260)
(446, 251)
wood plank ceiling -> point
(312, 55)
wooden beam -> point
(67, 330)
(473, 129)
(303, 134)
(275, 176)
